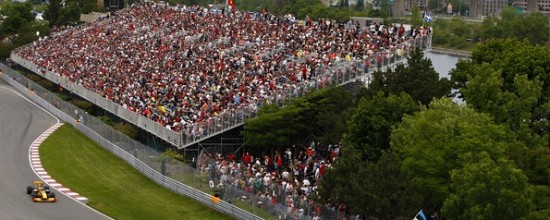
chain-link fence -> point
(337, 74)
(233, 187)
(149, 162)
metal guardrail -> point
(341, 73)
(138, 120)
(140, 157)
(175, 174)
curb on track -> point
(36, 165)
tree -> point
(344, 3)
(485, 188)
(16, 14)
(532, 27)
(28, 32)
(69, 14)
(360, 6)
(431, 144)
(416, 17)
(509, 80)
(374, 189)
(370, 127)
(536, 28)
(52, 12)
(276, 126)
(418, 79)
(320, 115)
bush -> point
(127, 129)
(440, 37)
(83, 104)
(106, 119)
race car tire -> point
(29, 189)
(46, 187)
(52, 195)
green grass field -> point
(112, 186)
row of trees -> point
(67, 12)
(408, 146)
(19, 25)
(458, 34)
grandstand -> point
(186, 73)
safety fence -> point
(339, 73)
(147, 161)
(200, 184)
(172, 174)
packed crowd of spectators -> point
(283, 183)
(181, 66)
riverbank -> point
(458, 53)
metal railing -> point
(337, 74)
(194, 183)
(147, 161)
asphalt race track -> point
(21, 122)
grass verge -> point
(112, 186)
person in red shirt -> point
(247, 158)
(231, 156)
(279, 162)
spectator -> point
(189, 70)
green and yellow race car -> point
(40, 193)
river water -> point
(442, 63)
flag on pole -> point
(230, 4)
(427, 17)
(420, 216)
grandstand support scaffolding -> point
(340, 73)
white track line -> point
(35, 164)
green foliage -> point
(532, 27)
(455, 34)
(28, 32)
(83, 104)
(171, 154)
(432, 144)
(360, 6)
(378, 189)
(370, 127)
(315, 9)
(106, 119)
(52, 12)
(509, 80)
(89, 169)
(275, 126)
(485, 188)
(418, 79)
(128, 129)
(18, 26)
(69, 13)
(344, 4)
(459, 7)
(5, 50)
(541, 200)
(536, 163)
(320, 115)
(16, 14)
(416, 16)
